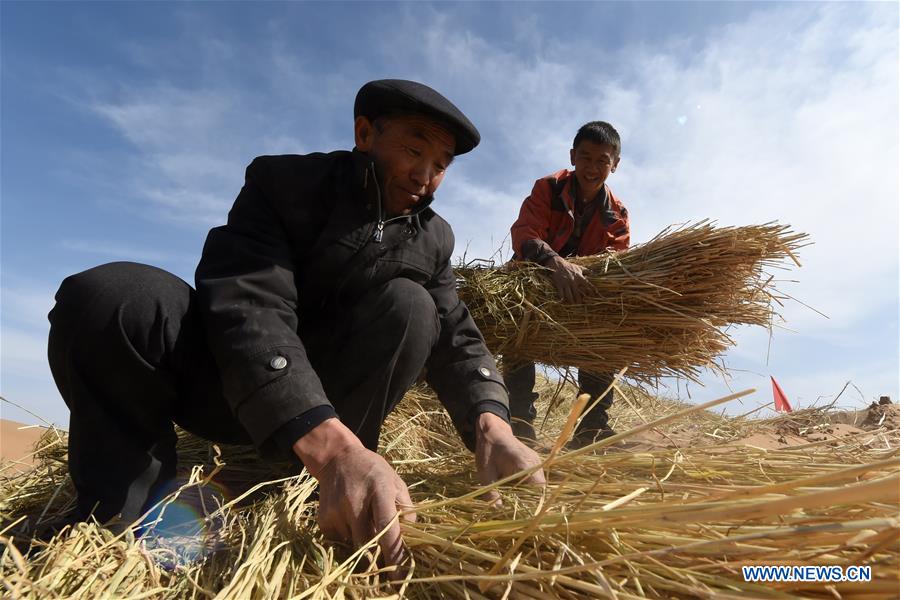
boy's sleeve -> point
(532, 229)
(621, 232)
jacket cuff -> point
(270, 388)
(538, 251)
(287, 435)
(493, 394)
(273, 406)
(491, 406)
(545, 258)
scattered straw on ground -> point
(630, 517)
(660, 308)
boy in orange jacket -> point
(570, 213)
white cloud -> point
(189, 162)
(36, 395)
(25, 378)
(163, 116)
(117, 251)
(24, 352)
(790, 115)
(24, 372)
(26, 304)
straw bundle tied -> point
(660, 308)
(617, 520)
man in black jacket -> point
(317, 306)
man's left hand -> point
(499, 454)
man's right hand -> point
(359, 492)
(569, 279)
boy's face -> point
(593, 163)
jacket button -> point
(278, 362)
(485, 372)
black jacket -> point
(300, 242)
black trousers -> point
(520, 383)
(128, 353)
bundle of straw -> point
(667, 523)
(661, 308)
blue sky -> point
(125, 129)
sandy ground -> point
(17, 441)
(16, 444)
(842, 425)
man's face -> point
(412, 153)
(593, 163)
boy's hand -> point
(569, 279)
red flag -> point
(781, 401)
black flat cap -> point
(385, 97)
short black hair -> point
(599, 132)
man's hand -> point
(569, 279)
(499, 454)
(359, 492)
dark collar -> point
(601, 198)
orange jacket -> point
(547, 220)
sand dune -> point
(17, 442)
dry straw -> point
(614, 522)
(660, 308)
(619, 519)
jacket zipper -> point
(379, 227)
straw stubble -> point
(612, 522)
(616, 519)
